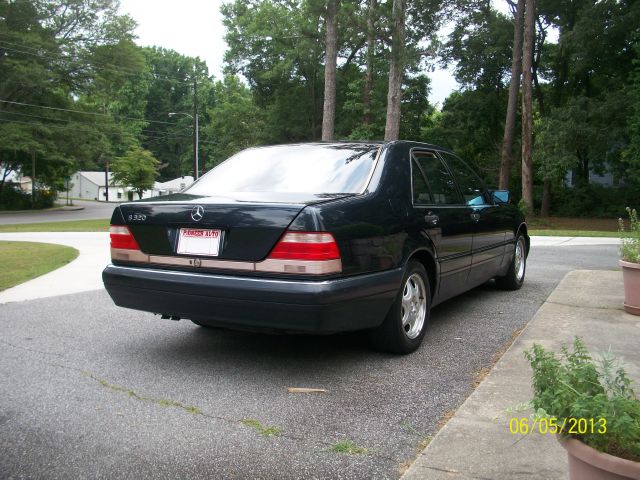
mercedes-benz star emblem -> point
(197, 213)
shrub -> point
(595, 201)
(573, 386)
(13, 199)
(630, 239)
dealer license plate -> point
(196, 241)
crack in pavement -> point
(197, 411)
(162, 402)
(19, 347)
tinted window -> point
(470, 184)
(421, 194)
(440, 182)
(341, 168)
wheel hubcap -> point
(520, 260)
(414, 306)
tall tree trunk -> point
(396, 71)
(545, 209)
(582, 170)
(540, 39)
(368, 83)
(527, 116)
(329, 111)
(506, 157)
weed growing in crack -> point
(347, 447)
(264, 430)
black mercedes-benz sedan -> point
(319, 238)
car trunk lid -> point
(249, 224)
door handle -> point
(431, 218)
(475, 216)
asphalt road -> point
(90, 211)
(88, 390)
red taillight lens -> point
(121, 238)
(306, 246)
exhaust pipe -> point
(170, 317)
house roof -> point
(97, 178)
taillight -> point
(306, 246)
(121, 238)
(306, 253)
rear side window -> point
(438, 179)
(472, 188)
(419, 187)
(311, 168)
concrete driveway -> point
(91, 390)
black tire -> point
(393, 335)
(514, 278)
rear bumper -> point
(351, 303)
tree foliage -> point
(78, 93)
(236, 121)
(137, 168)
(585, 92)
(58, 60)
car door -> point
(440, 212)
(490, 224)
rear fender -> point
(425, 254)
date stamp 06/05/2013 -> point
(556, 426)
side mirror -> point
(501, 196)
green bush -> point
(630, 239)
(594, 201)
(12, 199)
(574, 387)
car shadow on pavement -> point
(191, 344)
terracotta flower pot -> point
(631, 279)
(586, 463)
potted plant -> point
(630, 262)
(594, 410)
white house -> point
(91, 186)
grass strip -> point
(22, 261)
(572, 233)
(101, 225)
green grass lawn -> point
(71, 226)
(573, 227)
(22, 261)
(572, 233)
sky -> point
(194, 28)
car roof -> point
(371, 143)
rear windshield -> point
(342, 168)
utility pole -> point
(106, 179)
(195, 126)
(33, 179)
